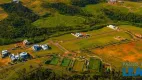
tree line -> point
(83, 3)
(48, 74)
(116, 14)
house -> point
(16, 1)
(77, 34)
(45, 47)
(4, 53)
(36, 47)
(80, 34)
(23, 55)
(112, 27)
(17, 56)
(12, 57)
(26, 42)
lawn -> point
(65, 62)
(59, 20)
(54, 61)
(53, 49)
(78, 65)
(94, 64)
(20, 66)
(127, 6)
(63, 38)
(98, 37)
(133, 6)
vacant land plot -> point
(66, 62)
(131, 28)
(125, 7)
(116, 55)
(54, 61)
(78, 65)
(94, 64)
(98, 38)
(4, 61)
(59, 20)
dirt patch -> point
(4, 61)
(37, 61)
(120, 53)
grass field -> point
(54, 61)
(98, 37)
(125, 7)
(66, 62)
(131, 28)
(59, 20)
(78, 65)
(72, 43)
(116, 55)
(94, 64)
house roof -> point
(12, 56)
(45, 46)
(23, 54)
(4, 51)
(26, 41)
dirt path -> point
(59, 46)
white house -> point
(112, 27)
(77, 34)
(36, 47)
(17, 57)
(5, 53)
(23, 55)
(12, 57)
(26, 42)
(45, 47)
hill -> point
(52, 22)
(51, 17)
